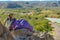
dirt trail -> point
(56, 30)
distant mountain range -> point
(31, 4)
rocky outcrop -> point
(22, 34)
(5, 33)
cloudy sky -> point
(29, 0)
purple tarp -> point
(19, 24)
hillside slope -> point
(32, 4)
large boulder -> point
(21, 34)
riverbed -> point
(57, 20)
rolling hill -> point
(31, 4)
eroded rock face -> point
(21, 34)
(1, 38)
(5, 33)
(1, 29)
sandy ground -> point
(56, 30)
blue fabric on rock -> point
(19, 24)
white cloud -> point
(29, 0)
(13, 0)
(34, 0)
(49, 0)
(24, 0)
(3, 0)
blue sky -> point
(29, 0)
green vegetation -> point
(35, 19)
